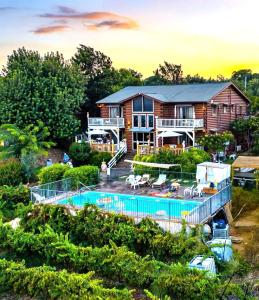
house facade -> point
(168, 114)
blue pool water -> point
(134, 205)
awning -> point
(136, 129)
(97, 132)
(168, 134)
(152, 165)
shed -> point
(246, 162)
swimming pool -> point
(134, 205)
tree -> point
(216, 142)
(46, 89)
(103, 78)
(155, 80)
(170, 72)
(26, 144)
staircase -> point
(121, 164)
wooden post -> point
(112, 147)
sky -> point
(208, 37)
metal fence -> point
(51, 190)
(210, 206)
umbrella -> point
(169, 134)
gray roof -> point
(202, 92)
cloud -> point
(50, 29)
(113, 24)
(66, 10)
(5, 8)
(95, 20)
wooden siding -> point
(221, 121)
(127, 114)
(104, 111)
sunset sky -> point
(205, 36)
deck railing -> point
(146, 149)
(210, 206)
(180, 123)
(106, 122)
(111, 148)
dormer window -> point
(143, 104)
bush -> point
(52, 173)
(11, 172)
(87, 175)
(10, 197)
(97, 158)
(79, 153)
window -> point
(137, 104)
(135, 121)
(214, 110)
(232, 108)
(114, 111)
(151, 121)
(142, 139)
(147, 105)
(225, 109)
(143, 120)
(241, 110)
(184, 112)
(143, 104)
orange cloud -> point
(113, 24)
(50, 29)
(96, 19)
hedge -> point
(91, 226)
(52, 173)
(87, 175)
(47, 283)
(96, 158)
(11, 172)
(79, 153)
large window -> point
(185, 112)
(143, 138)
(143, 104)
(143, 120)
(115, 111)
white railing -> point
(180, 123)
(118, 155)
(106, 122)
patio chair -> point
(144, 180)
(160, 181)
(198, 191)
(188, 191)
(130, 179)
(135, 182)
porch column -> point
(193, 141)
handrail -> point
(177, 123)
(118, 155)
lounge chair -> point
(188, 191)
(38, 198)
(135, 182)
(144, 180)
(130, 179)
(199, 189)
(160, 181)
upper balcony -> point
(106, 123)
(179, 124)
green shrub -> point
(10, 197)
(79, 153)
(11, 172)
(47, 283)
(96, 158)
(87, 175)
(52, 173)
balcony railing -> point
(180, 123)
(106, 122)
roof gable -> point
(170, 93)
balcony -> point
(106, 123)
(179, 123)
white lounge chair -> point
(38, 198)
(135, 182)
(199, 189)
(130, 179)
(188, 191)
(160, 181)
